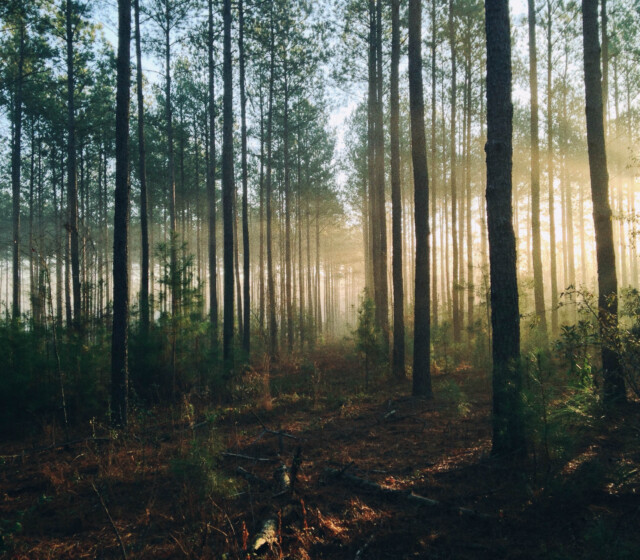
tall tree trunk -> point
(454, 194)
(72, 187)
(434, 261)
(396, 197)
(16, 156)
(119, 346)
(538, 286)
(228, 188)
(382, 290)
(211, 184)
(261, 311)
(422, 329)
(271, 295)
(287, 210)
(508, 425)
(614, 387)
(246, 336)
(552, 216)
(144, 223)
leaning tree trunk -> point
(422, 329)
(119, 347)
(614, 388)
(508, 425)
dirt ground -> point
(198, 482)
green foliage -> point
(451, 393)
(30, 385)
(368, 338)
(559, 406)
(199, 468)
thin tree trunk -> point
(72, 192)
(396, 197)
(144, 224)
(271, 296)
(119, 347)
(614, 387)
(552, 217)
(211, 184)
(246, 337)
(538, 286)
(454, 194)
(16, 155)
(228, 189)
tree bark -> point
(227, 190)
(396, 197)
(211, 184)
(422, 329)
(614, 387)
(119, 348)
(16, 156)
(456, 320)
(246, 336)
(72, 187)
(144, 223)
(508, 426)
(538, 287)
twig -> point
(272, 432)
(249, 457)
(115, 529)
(363, 548)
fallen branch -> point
(252, 478)
(249, 457)
(392, 493)
(363, 548)
(113, 525)
(51, 447)
(272, 432)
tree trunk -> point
(614, 387)
(227, 190)
(396, 197)
(538, 288)
(508, 425)
(422, 329)
(454, 202)
(119, 348)
(552, 217)
(246, 337)
(16, 155)
(144, 224)
(211, 185)
(271, 296)
(72, 191)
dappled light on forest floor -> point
(198, 482)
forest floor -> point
(181, 482)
